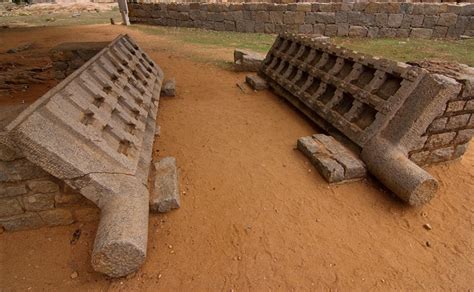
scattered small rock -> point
(428, 244)
(74, 275)
(23, 47)
(241, 87)
(75, 236)
(112, 21)
(427, 226)
(75, 15)
(169, 88)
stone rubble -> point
(165, 195)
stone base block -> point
(247, 61)
(256, 82)
(334, 161)
(165, 195)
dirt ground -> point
(255, 215)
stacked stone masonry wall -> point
(448, 136)
(31, 198)
(362, 19)
(306, 1)
(67, 57)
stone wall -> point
(298, 1)
(67, 57)
(448, 136)
(31, 198)
(421, 20)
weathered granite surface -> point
(165, 194)
(384, 108)
(94, 131)
(332, 159)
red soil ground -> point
(256, 215)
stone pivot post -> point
(124, 11)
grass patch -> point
(461, 51)
(209, 38)
(60, 19)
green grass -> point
(56, 19)
(461, 51)
(208, 38)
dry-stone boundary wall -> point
(362, 19)
(31, 198)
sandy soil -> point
(255, 215)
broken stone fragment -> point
(329, 168)
(256, 82)
(165, 195)
(169, 88)
(245, 60)
(332, 160)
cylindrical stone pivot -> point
(121, 241)
(391, 166)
